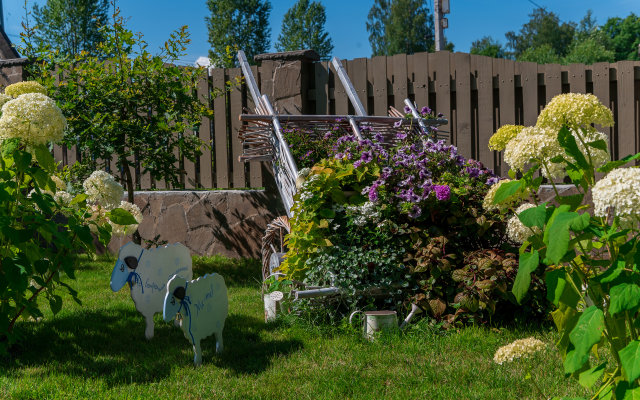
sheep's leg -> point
(177, 322)
(219, 344)
(197, 359)
(148, 332)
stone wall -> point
(12, 71)
(226, 222)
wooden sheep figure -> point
(203, 306)
(147, 271)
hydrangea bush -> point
(392, 223)
(42, 226)
(588, 255)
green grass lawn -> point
(98, 350)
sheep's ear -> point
(131, 262)
(179, 293)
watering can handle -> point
(352, 315)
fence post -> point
(290, 79)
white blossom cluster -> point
(3, 99)
(97, 215)
(576, 110)
(32, 117)
(368, 212)
(521, 348)
(619, 190)
(18, 89)
(124, 230)
(102, 189)
(62, 197)
(535, 143)
(516, 231)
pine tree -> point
(303, 28)
(70, 26)
(237, 25)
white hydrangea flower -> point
(101, 188)
(619, 190)
(516, 231)
(124, 230)
(97, 215)
(62, 197)
(19, 88)
(541, 144)
(576, 110)
(32, 117)
(367, 212)
(521, 348)
(3, 99)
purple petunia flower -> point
(440, 115)
(357, 164)
(379, 137)
(373, 193)
(366, 156)
(425, 110)
(415, 212)
(401, 136)
(443, 192)
(407, 110)
(397, 124)
(493, 180)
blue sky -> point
(469, 19)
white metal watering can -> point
(385, 320)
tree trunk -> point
(137, 239)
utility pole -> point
(1, 17)
(441, 7)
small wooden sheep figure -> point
(203, 306)
(147, 271)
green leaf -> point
(589, 377)
(536, 216)
(574, 361)
(625, 392)
(121, 216)
(506, 190)
(630, 360)
(624, 297)
(574, 201)
(611, 273)
(79, 198)
(560, 290)
(598, 144)
(22, 160)
(587, 332)
(615, 164)
(527, 264)
(55, 302)
(568, 143)
(9, 146)
(326, 213)
(557, 238)
(45, 159)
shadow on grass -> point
(110, 346)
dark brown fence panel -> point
(204, 132)
(439, 68)
(483, 67)
(420, 76)
(235, 109)
(463, 136)
(380, 85)
(400, 80)
(220, 132)
(255, 169)
(626, 137)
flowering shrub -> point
(43, 227)
(405, 220)
(590, 255)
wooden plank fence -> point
(476, 93)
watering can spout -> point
(414, 310)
